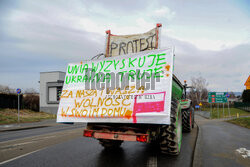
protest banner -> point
(133, 88)
(117, 45)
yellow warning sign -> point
(247, 83)
(200, 104)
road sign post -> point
(218, 97)
(210, 110)
(228, 109)
(223, 110)
(18, 91)
(18, 109)
(218, 114)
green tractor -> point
(167, 137)
(182, 119)
(187, 111)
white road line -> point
(48, 135)
(42, 138)
(24, 143)
(4, 162)
(14, 145)
(152, 161)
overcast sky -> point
(211, 37)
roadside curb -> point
(27, 125)
(203, 114)
(197, 150)
(18, 128)
(23, 128)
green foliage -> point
(244, 122)
(8, 116)
(246, 96)
(233, 112)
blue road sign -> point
(197, 106)
(18, 90)
(227, 95)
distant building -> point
(233, 99)
(51, 84)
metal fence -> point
(242, 106)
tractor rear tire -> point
(110, 144)
(171, 135)
(188, 119)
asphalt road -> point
(59, 146)
(12, 135)
(218, 143)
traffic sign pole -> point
(218, 115)
(18, 108)
(228, 109)
(210, 110)
(219, 97)
(18, 91)
(223, 111)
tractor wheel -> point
(109, 144)
(188, 119)
(171, 135)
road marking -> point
(24, 143)
(243, 152)
(42, 138)
(6, 126)
(152, 161)
(54, 134)
(4, 162)
(14, 145)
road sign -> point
(217, 97)
(18, 91)
(200, 104)
(227, 95)
(247, 83)
(197, 106)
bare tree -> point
(198, 92)
(30, 91)
(231, 95)
(6, 89)
(31, 101)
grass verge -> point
(244, 122)
(219, 114)
(8, 116)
